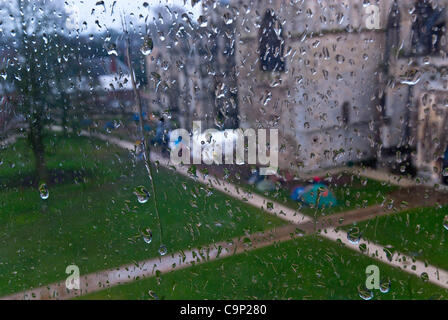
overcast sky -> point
(108, 16)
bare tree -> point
(32, 24)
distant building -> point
(415, 104)
(338, 87)
(312, 70)
(192, 72)
(109, 79)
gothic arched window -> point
(271, 43)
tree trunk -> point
(64, 103)
(37, 144)
(64, 120)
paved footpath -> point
(11, 139)
(131, 272)
(230, 189)
(301, 225)
(124, 274)
(406, 263)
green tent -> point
(319, 195)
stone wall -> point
(327, 65)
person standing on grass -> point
(160, 131)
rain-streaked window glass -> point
(428, 28)
(236, 150)
(271, 43)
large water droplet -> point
(228, 19)
(411, 77)
(385, 286)
(43, 191)
(354, 235)
(163, 250)
(389, 254)
(101, 3)
(340, 59)
(147, 235)
(111, 49)
(147, 46)
(364, 293)
(142, 194)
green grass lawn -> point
(305, 268)
(93, 219)
(417, 232)
(360, 192)
(67, 159)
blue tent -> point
(297, 193)
(319, 195)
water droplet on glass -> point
(3, 74)
(411, 78)
(142, 194)
(202, 20)
(389, 254)
(43, 191)
(163, 250)
(445, 172)
(228, 19)
(147, 235)
(385, 286)
(364, 293)
(147, 46)
(354, 235)
(111, 49)
(101, 3)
